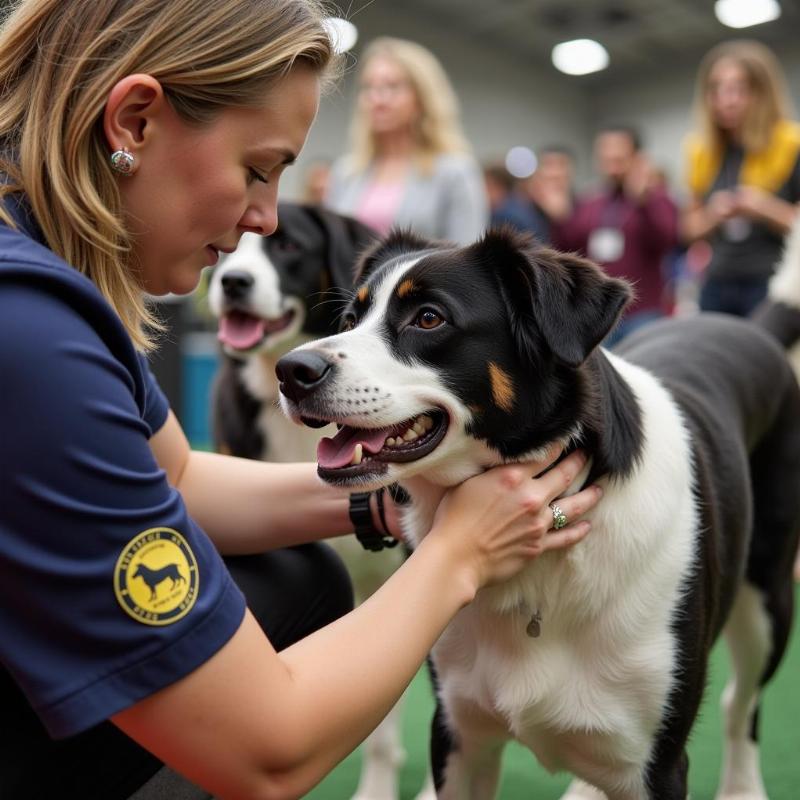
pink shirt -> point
(379, 204)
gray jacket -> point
(450, 203)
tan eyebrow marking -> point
(363, 293)
(502, 387)
(405, 288)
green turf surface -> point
(523, 779)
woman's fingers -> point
(566, 537)
(575, 505)
(558, 479)
(572, 508)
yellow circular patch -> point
(156, 579)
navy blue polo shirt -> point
(109, 591)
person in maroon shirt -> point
(627, 225)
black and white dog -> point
(270, 295)
(452, 360)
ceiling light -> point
(342, 32)
(744, 13)
(580, 57)
(521, 161)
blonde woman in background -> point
(409, 163)
(743, 173)
(138, 140)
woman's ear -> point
(133, 104)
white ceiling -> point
(640, 35)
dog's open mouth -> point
(355, 452)
(242, 331)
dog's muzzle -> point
(302, 373)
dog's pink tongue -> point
(338, 451)
(241, 331)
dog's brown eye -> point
(428, 319)
(348, 323)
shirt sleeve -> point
(108, 590)
(465, 209)
(156, 403)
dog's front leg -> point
(466, 762)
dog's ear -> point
(346, 239)
(566, 300)
(399, 241)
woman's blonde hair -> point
(438, 129)
(59, 60)
(767, 85)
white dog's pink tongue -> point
(338, 451)
(241, 331)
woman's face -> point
(387, 96)
(196, 190)
(728, 94)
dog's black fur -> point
(314, 252)
(540, 315)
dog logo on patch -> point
(156, 578)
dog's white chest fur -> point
(592, 687)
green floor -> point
(523, 779)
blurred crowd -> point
(409, 164)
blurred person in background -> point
(743, 173)
(628, 224)
(316, 177)
(509, 205)
(551, 190)
(409, 163)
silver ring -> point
(559, 517)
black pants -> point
(291, 592)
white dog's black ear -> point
(399, 241)
(346, 239)
(560, 297)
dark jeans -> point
(737, 297)
(292, 592)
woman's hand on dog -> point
(499, 521)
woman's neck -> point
(395, 145)
(732, 136)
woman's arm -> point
(767, 208)
(249, 506)
(699, 220)
(253, 723)
(464, 209)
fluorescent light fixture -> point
(343, 33)
(580, 57)
(521, 161)
(744, 13)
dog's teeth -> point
(427, 422)
(418, 428)
(390, 441)
(357, 454)
(409, 435)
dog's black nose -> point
(301, 373)
(236, 284)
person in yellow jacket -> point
(743, 173)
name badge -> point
(606, 245)
(736, 229)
